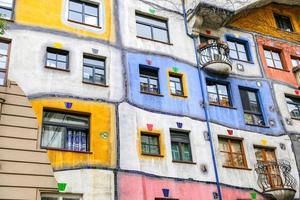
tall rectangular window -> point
(238, 50)
(152, 28)
(293, 106)
(273, 58)
(83, 12)
(4, 53)
(65, 131)
(218, 93)
(176, 85)
(252, 110)
(150, 144)
(283, 22)
(181, 149)
(6, 9)
(232, 153)
(149, 82)
(94, 70)
(57, 58)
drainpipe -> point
(204, 102)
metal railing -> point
(215, 52)
(275, 175)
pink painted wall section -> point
(138, 187)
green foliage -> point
(3, 25)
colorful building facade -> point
(149, 100)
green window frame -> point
(150, 143)
(180, 144)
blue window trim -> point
(244, 41)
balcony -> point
(214, 58)
(275, 180)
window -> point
(180, 144)
(94, 70)
(273, 58)
(293, 106)
(6, 9)
(60, 197)
(283, 22)
(176, 86)
(295, 62)
(65, 131)
(150, 144)
(4, 54)
(232, 153)
(152, 28)
(238, 50)
(218, 94)
(149, 80)
(83, 12)
(57, 58)
(251, 106)
(207, 39)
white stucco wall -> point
(27, 61)
(93, 184)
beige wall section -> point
(24, 167)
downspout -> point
(204, 102)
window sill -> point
(241, 168)
(284, 70)
(244, 61)
(178, 95)
(98, 84)
(229, 107)
(65, 150)
(152, 155)
(58, 69)
(154, 94)
(98, 27)
(184, 162)
(168, 43)
(295, 118)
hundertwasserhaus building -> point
(149, 100)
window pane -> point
(267, 54)
(243, 56)
(270, 155)
(6, 3)
(236, 146)
(90, 10)
(294, 111)
(51, 63)
(62, 58)
(222, 89)
(295, 63)
(270, 63)
(211, 87)
(172, 87)
(258, 154)
(91, 20)
(241, 47)
(175, 151)
(2, 78)
(99, 71)
(278, 64)
(226, 159)
(213, 98)
(224, 100)
(231, 45)
(238, 160)
(3, 60)
(154, 150)
(94, 62)
(53, 136)
(233, 54)
(143, 31)
(224, 145)
(99, 79)
(3, 48)
(160, 35)
(61, 65)
(7, 14)
(74, 6)
(51, 56)
(88, 74)
(186, 152)
(276, 55)
(75, 16)
(151, 21)
(64, 118)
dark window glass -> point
(152, 28)
(218, 93)
(4, 51)
(65, 131)
(150, 144)
(180, 144)
(238, 50)
(6, 9)
(149, 80)
(251, 106)
(273, 58)
(283, 22)
(176, 86)
(232, 153)
(207, 39)
(293, 106)
(57, 58)
(83, 12)
(94, 70)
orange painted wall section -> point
(102, 150)
(261, 20)
(287, 51)
(50, 14)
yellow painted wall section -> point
(261, 20)
(49, 14)
(102, 119)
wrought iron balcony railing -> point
(214, 57)
(275, 175)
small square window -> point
(238, 50)
(232, 153)
(84, 13)
(57, 58)
(283, 22)
(180, 144)
(94, 70)
(6, 9)
(218, 94)
(149, 81)
(273, 58)
(176, 85)
(150, 144)
(152, 28)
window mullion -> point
(231, 156)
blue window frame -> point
(239, 49)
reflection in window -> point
(180, 144)
(57, 58)
(94, 70)
(149, 80)
(238, 50)
(176, 85)
(6, 9)
(273, 58)
(150, 144)
(283, 22)
(293, 106)
(218, 94)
